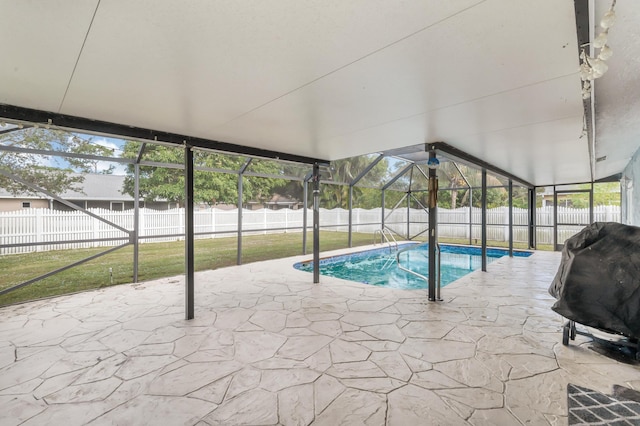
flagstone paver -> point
(269, 347)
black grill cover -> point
(598, 282)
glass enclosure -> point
(68, 205)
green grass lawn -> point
(156, 260)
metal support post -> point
(305, 206)
(316, 223)
(350, 216)
(433, 229)
(136, 222)
(532, 218)
(189, 236)
(484, 220)
(239, 250)
(408, 215)
(470, 216)
(555, 219)
(591, 204)
(383, 201)
(136, 213)
(510, 218)
(240, 173)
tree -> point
(497, 195)
(392, 198)
(454, 181)
(39, 169)
(520, 197)
(607, 193)
(165, 183)
(368, 198)
(344, 172)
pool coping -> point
(352, 250)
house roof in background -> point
(96, 187)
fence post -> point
(142, 223)
(265, 220)
(39, 228)
(505, 215)
(286, 220)
(213, 221)
(96, 231)
(180, 221)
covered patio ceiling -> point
(497, 79)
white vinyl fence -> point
(41, 225)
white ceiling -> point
(617, 100)
(331, 79)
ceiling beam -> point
(74, 123)
(445, 148)
(583, 35)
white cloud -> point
(117, 149)
(119, 169)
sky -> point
(115, 144)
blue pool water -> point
(378, 267)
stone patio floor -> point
(269, 347)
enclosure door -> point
(570, 214)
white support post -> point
(505, 220)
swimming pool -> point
(378, 266)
